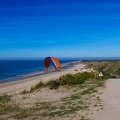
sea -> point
(13, 70)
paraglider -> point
(55, 62)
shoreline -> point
(32, 79)
(64, 66)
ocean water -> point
(10, 69)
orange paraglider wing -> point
(55, 62)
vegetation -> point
(71, 79)
(37, 86)
(5, 98)
(68, 79)
(85, 83)
(6, 108)
(79, 101)
(111, 69)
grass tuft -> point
(5, 98)
(70, 79)
(37, 86)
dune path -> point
(111, 101)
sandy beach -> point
(26, 83)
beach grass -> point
(37, 86)
(68, 79)
(109, 68)
(5, 98)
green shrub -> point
(62, 80)
(112, 76)
(54, 84)
(70, 79)
(5, 98)
(37, 86)
(107, 67)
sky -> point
(61, 28)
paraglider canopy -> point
(55, 62)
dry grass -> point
(109, 68)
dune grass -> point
(37, 86)
(110, 68)
(5, 98)
(70, 105)
(65, 80)
(68, 79)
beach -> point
(30, 80)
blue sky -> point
(61, 28)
